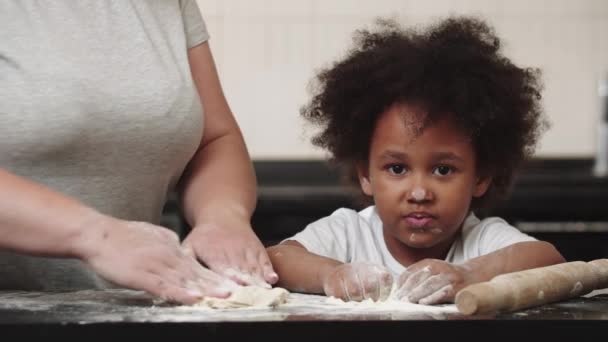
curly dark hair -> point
(453, 67)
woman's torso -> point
(97, 102)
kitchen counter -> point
(126, 313)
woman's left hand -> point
(432, 281)
(232, 249)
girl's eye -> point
(397, 169)
(443, 170)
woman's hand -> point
(146, 257)
(358, 281)
(432, 281)
(233, 250)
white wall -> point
(268, 50)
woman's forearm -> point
(219, 182)
(37, 220)
(220, 179)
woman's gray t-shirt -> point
(97, 102)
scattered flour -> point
(391, 305)
(247, 296)
(119, 305)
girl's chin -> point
(421, 239)
(421, 245)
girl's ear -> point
(364, 181)
(481, 186)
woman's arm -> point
(39, 221)
(218, 190)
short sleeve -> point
(328, 236)
(494, 234)
(194, 25)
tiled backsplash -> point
(268, 50)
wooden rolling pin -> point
(537, 286)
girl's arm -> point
(516, 257)
(433, 281)
(302, 271)
(298, 269)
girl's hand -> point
(432, 281)
(358, 281)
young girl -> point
(432, 126)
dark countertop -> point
(128, 313)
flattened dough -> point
(248, 296)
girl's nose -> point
(419, 194)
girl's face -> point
(422, 182)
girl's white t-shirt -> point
(350, 236)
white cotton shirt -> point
(350, 236)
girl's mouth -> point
(419, 220)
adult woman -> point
(100, 117)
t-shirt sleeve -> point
(328, 236)
(194, 25)
(494, 234)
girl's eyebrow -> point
(437, 156)
(447, 156)
(390, 154)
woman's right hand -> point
(147, 257)
(358, 281)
